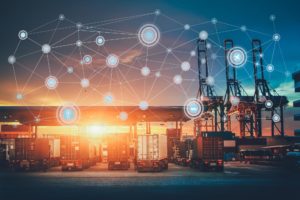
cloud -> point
(287, 89)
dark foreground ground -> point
(239, 181)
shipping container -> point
(54, 152)
(207, 153)
(31, 154)
(152, 153)
(184, 151)
(75, 153)
(15, 128)
(118, 152)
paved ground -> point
(239, 181)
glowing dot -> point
(37, 119)
(157, 74)
(214, 21)
(187, 27)
(149, 35)
(87, 59)
(193, 53)
(210, 80)
(145, 71)
(51, 82)
(19, 96)
(68, 114)
(193, 108)
(177, 79)
(100, 40)
(185, 66)
(276, 37)
(11, 59)
(79, 25)
(85, 83)
(143, 105)
(287, 73)
(237, 57)
(243, 28)
(108, 98)
(269, 104)
(46, 48)
(208, 45)
(203, 61)
(79, 43)
(61, 17)
(123, 116)
(203, 35)
(23, 35)
(276, 118)
(70, 70)
(169, 50)
(235, 101)
(270, 68)
(157, 12)
(272, 17)
(112, 61)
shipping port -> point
(137, 108)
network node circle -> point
(143, 105)
(193, 53)
(157, 74)
(214, 21)
(145, 71)
(276, 118)
(68, 114)
(269, 104)
(100, 40)
(112, 60)
(177, 79)
(208, 45)
(123, 116)
(193, 108)
(237, 57)
(85, 83)
(70, 70)
(235, 101)
(51, 82)
(210, 80)
(108, 98)
(243, 28)
(79, 25)
(149, 35)
(276, 37)
(23, 35)
(79, 43)
(187, 27)
(87, 59)
(11, 59)
(203, 35)
(185, 66)
(157, 12)
(19, 96)
(61, 17)
(46, 48)
(270, 68)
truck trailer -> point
(31, 154)
(207, 153)
(75, 153)
(118, 152)
(152, 153)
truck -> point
(152, 153)
(7, 147)
(207, 152)
(75, 153)
(31, 154)
(118, 152)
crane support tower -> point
(212, 118)
(265, 99)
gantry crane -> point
(211, 118)
(245, 110)
(263, 94)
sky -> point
(232, 14)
